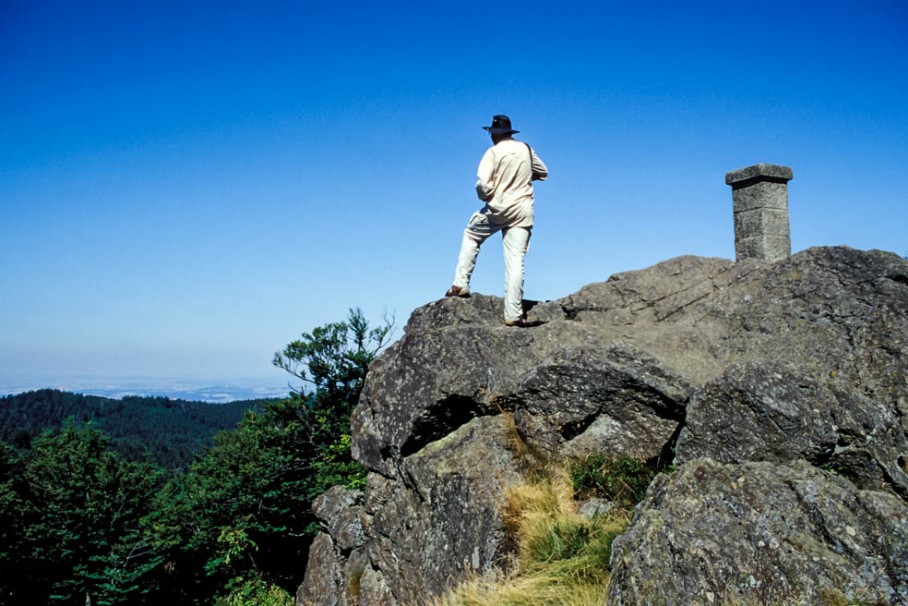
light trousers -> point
(516, 243)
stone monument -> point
(760, 194)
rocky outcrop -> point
(414, 531)
(781, 416)
(790, 375)
(762, 533)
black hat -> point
(501, 125)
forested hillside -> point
(166, 432)
(80, 523)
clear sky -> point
(187, 186)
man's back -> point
(505, 179)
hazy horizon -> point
(200, 391)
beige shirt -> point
(506, 173)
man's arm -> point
(540, 171)
(484, 184)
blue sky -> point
(185, 187)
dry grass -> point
(520, 590)
(561, 558)
(534, 462)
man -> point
(506, 173)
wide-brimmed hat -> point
(501, 125)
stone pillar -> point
(760, 194)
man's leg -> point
(478, 230)
(516, 242)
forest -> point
(88, 515)
(162, 431)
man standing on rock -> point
(506, 173)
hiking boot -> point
(457, 291)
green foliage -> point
(243, 508)
(334, 358)
(254, 591)
(10, 512)
(623, 480)
(77, 508)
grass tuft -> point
(561, 558)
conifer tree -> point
(78, 508)
(241, 517)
